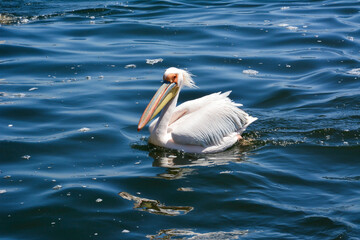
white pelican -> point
(209, 124)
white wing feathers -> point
(207, 120)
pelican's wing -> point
(207, 120)
(192, 106)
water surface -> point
(75, 77)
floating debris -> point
(33, 89)
(84, 129)
(130, 66)
(10, 125)
(98, 200)
(125, 231)
(355, 71)
(189, 234)
(185, 189)
(7, 19)
(250, 72)
(154, 206)
(154, 61)
(57, 187)
(27, 157)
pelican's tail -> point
(249, 120)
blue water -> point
(74, 81)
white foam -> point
(250, 72)
(84, 129)
(19, 95)
(355, 71)
(25, 20)
(57, 187)
(292, 28)
(130, 66)
(287, 26)
(154, 61)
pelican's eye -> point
(172, 77)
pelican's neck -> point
(162, 124)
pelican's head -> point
(174, 80)
(179, 76)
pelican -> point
(208, 124)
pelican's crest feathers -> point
(187, 76)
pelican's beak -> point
(165, 93)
